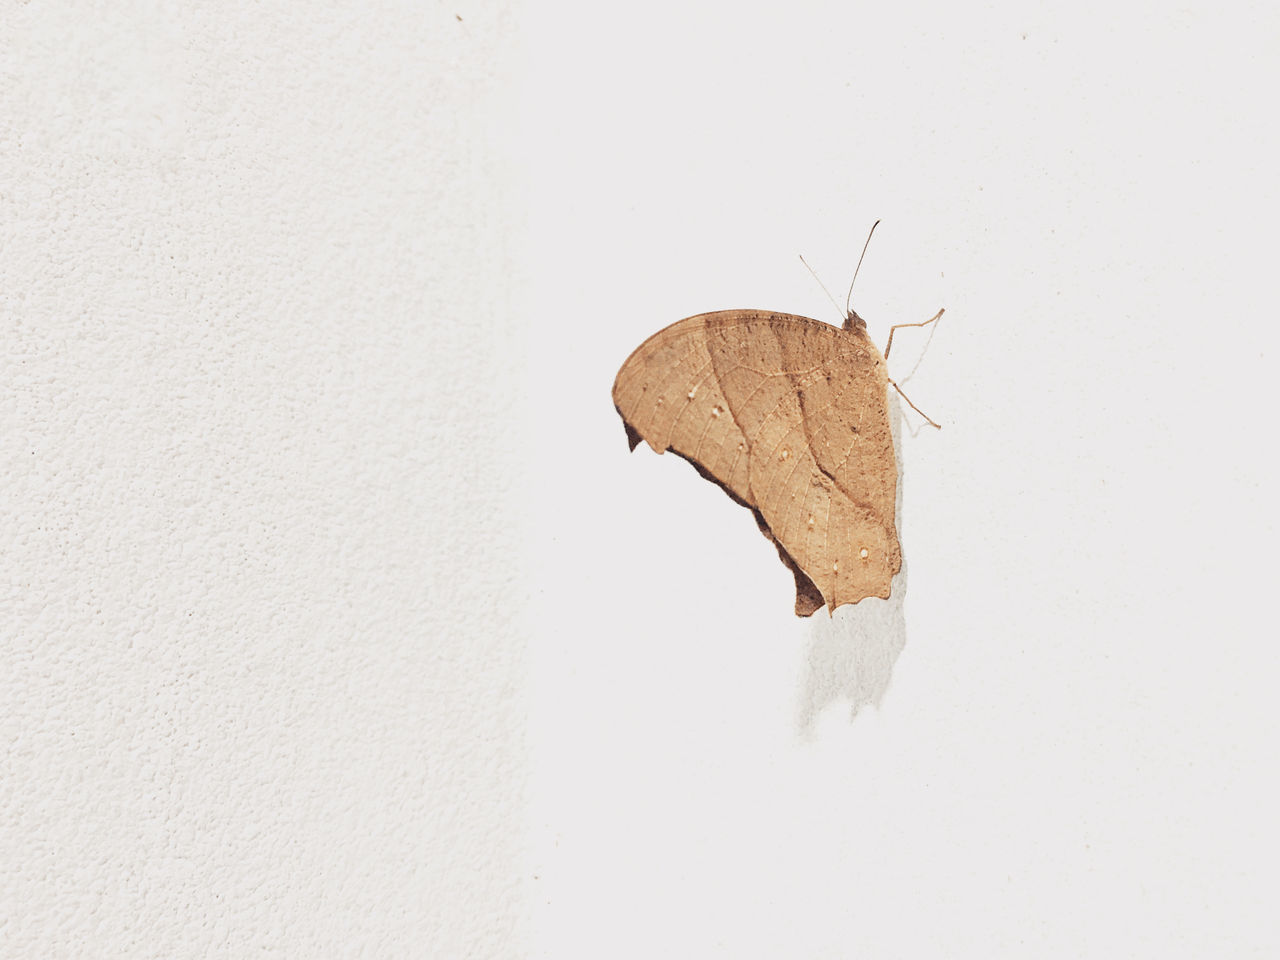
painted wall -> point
(337, 620)
(259, 679)
(1073, 755)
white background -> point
(1075, 753)
(338, 620)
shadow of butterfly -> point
(790, 417)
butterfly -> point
(790, 417)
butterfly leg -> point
(889, 346)
(908, 399)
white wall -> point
(338, 621)
(1075, 753)
(260, 681)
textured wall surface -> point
(248, 704)
(336, 620)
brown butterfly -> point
(790, 417)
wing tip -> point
(633, 436)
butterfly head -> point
(853, 322)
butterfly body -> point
(789, 416)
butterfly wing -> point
(789, 415)
(668, 395)
(811, 399)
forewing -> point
(668, 396)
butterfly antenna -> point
(849, 298)
(820, 283)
